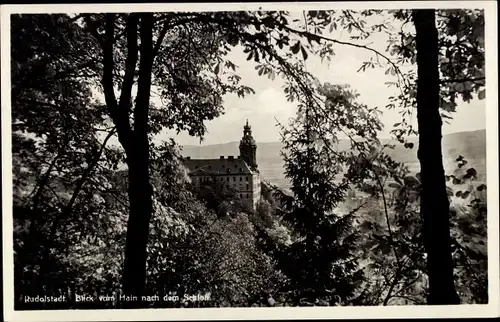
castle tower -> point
(248, 147)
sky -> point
(269, 104)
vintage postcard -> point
(250, 161)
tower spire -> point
(248, 147)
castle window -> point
(247, 195)
(234, 178)
(235, 165)
(246, 179)
(227, 179)
(241, 170)
(241, 195)
(241, 178)
(228, 170)
(248, 187)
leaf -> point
(448, 106)
(471, 173)
(233, 40)
(333, 26)
(256, 58)
(409, 145)
(250, 55)
(304, 53)
(482, 94)
(481, 187)
(217, 68)
(295, 48)
(411, 181)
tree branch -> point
(128, 80)
(88, 171)
(108, 67)
(159, 41)
(43, 183)
(320, 37)
(145, 69)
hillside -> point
(471, 145)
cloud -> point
(273, 102)
(269, 102)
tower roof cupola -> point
(248, 147)
(247, 135)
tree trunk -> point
(434, 199)
(134, 141)
(140, 190)
(141, 207)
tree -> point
(135, 138)
(435, 205)
(57, 146)
(453, 66)
(70, 138)
(179, 58)
(128, 51)
(232, 29)
(321, 261)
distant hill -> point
(471, 145)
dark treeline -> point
(103, 209)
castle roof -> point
(221, 166)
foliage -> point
(406, 283)
(321, 261)
(60, 163)
(460, 62)
(221, 198)
(70, 186)
(77, 196)
(461, 49)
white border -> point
(490, 310)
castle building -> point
(240, 173)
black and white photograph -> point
(288, 156)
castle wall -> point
(255, 189)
